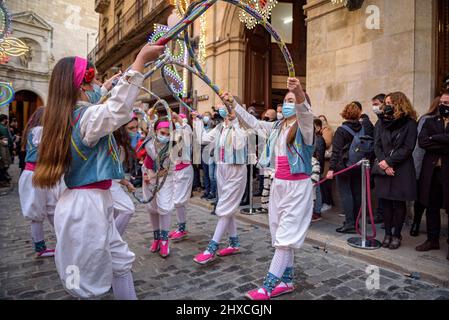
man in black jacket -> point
(433, 186)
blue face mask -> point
(94, 95)
(163, 139)
(132, 135)
(223, 113)
(206, 119)
(178, 126)
(288, 109)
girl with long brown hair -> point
(77, 142)
(289, 150)
(37, 204)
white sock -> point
(51, 219)
(232, 227)
(291, 259)
(154, 217)
(121, 222)
(222, 226)
(123, 287)
(164, 221)
(37, 231)
(280, 261)
(182, 214)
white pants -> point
(231, 183)
(290, 212)
(163, 202)
(122, 202)
(37, 203)
(89, 249)
(183, 181)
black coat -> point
(434, 139)
(343, 139)
(395, 145)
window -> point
(282, 21)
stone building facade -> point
(53, 29)
(340, 55)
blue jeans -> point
(318, 201)
(212, 178)
(206, 179)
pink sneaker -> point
(171, 233)
(258, 294)
(155, 246)
(45, 253)
(282, 288)
(165, 250)
(178, 235)
(229, 251)
(204, 258)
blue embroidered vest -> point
(299, 155)
(31, 149)
(92, 164)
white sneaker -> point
(326, 207)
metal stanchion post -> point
(250, 210)
(357, 242)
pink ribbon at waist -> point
(148, 162)
(181, 166)
(30, 166)
(283, 171)
(102, 185)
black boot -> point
(414, 230)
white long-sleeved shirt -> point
(304, 117)
(103, 119)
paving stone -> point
(318, 275)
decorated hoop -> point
(6, 94)
(195, 10)
(163, 156)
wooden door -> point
(258, 70)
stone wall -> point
(346, 61)
(55, 29)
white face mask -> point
(280, 116)
(376, 110)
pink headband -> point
(163, 124)
(79, 70)
(182, 116)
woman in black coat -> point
(433, 184)
(349, 183)
(394, 144)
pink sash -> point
(30, 166)
(182, 165)
(102, 185)
(148, 162)
(283, 171)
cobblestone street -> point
(319, 275)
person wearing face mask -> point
(377, 104)
(289, 150)
(229, 142)
(349, 183)
(418, 155)
(209, 182)
(279, 115)
(157, 162)
(395, 181)
(265, 176)
(183, 175)
(77, 144)
(433, 186)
